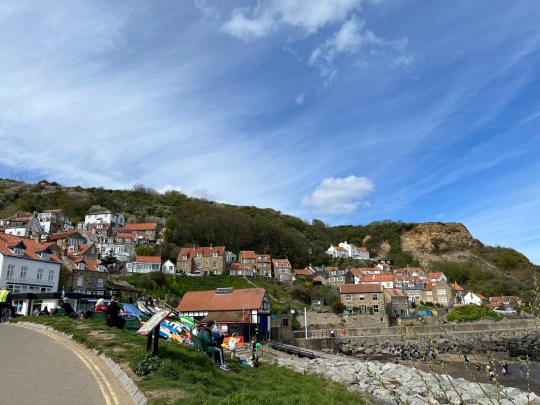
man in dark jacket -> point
(68, 309)
(113, 314)
(209, 344)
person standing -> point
(5, 301)
(233, 342)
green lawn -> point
(186, 376)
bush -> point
(472, 313)
(147, 365)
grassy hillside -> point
(191, 221)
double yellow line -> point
(107, 391)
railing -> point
(293, 350)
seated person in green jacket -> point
(209, 344)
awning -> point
(228, 316)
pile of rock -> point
(396, 384)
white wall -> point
(30, 280)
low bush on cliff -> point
(472, 313)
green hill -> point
(191, 221)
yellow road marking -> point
(88, 363)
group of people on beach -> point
(413, 352)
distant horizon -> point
(348, 111)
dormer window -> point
(45, 255)
(80, 265)
(18, 251)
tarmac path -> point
(44, 367)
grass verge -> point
(186, 375)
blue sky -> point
(349, 111)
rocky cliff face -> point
(432, 241)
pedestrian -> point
(467, 360)
(521, 370)
(491, 375)
(233, 341)
(505, 370)
(478, 367)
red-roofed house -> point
(245, 311)
(437, 293)
(475, 299)
(508, 301)
(397, 303)
(264, 264)
(206, 260)
(146, 233)
(144, 264)
(457, 293)
(385, 280)
(83, 275)
(337, 252)
(238, 269)
(366, 299)
(248, 259)
(27, 266)
(282, 269)
(436, 277)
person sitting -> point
(45, 311)
(113, 314)
(209, 344)
(100, 306)
(68, 309)
(36, 311)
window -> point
(183, 264)
(348, 297)
(51, 275)
(45, 255)
(214, 254)
(71, 249)
(10, 270)
(441, 291)
(215, 264)
(40, 274)
(361, 297)
(100, 283)
(374, 296)
(80, 281)
(23, 271)
(18, 251)
(184, 257)
(199, 254)
(375, 309)
(394, 301)
(80, 266)
(207, 264)
(149, 232)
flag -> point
(63, 293)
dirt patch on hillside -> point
(166, 396)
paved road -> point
(44, 367)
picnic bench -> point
(59, 312)
(99, 315)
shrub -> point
(472, 313)
(147, 364)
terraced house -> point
(366, 299)
(203, 260)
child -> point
(232, 345)
(255, 346)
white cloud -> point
(339, 195)
(305, 15)
(300, 99)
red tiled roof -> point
(89, 264)
(151, 226)
(436, 275)
(148, 259)
(378, 278)
(480, 296)
(206, 252)
(456, 287)
(339, 248)
(242, 299)
(281, 263)
(126, 235)
(360, 288)
(395, 292)
(32, 251)
(248, 254)
(62, 235)
(302, 272)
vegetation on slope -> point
(472, 313)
